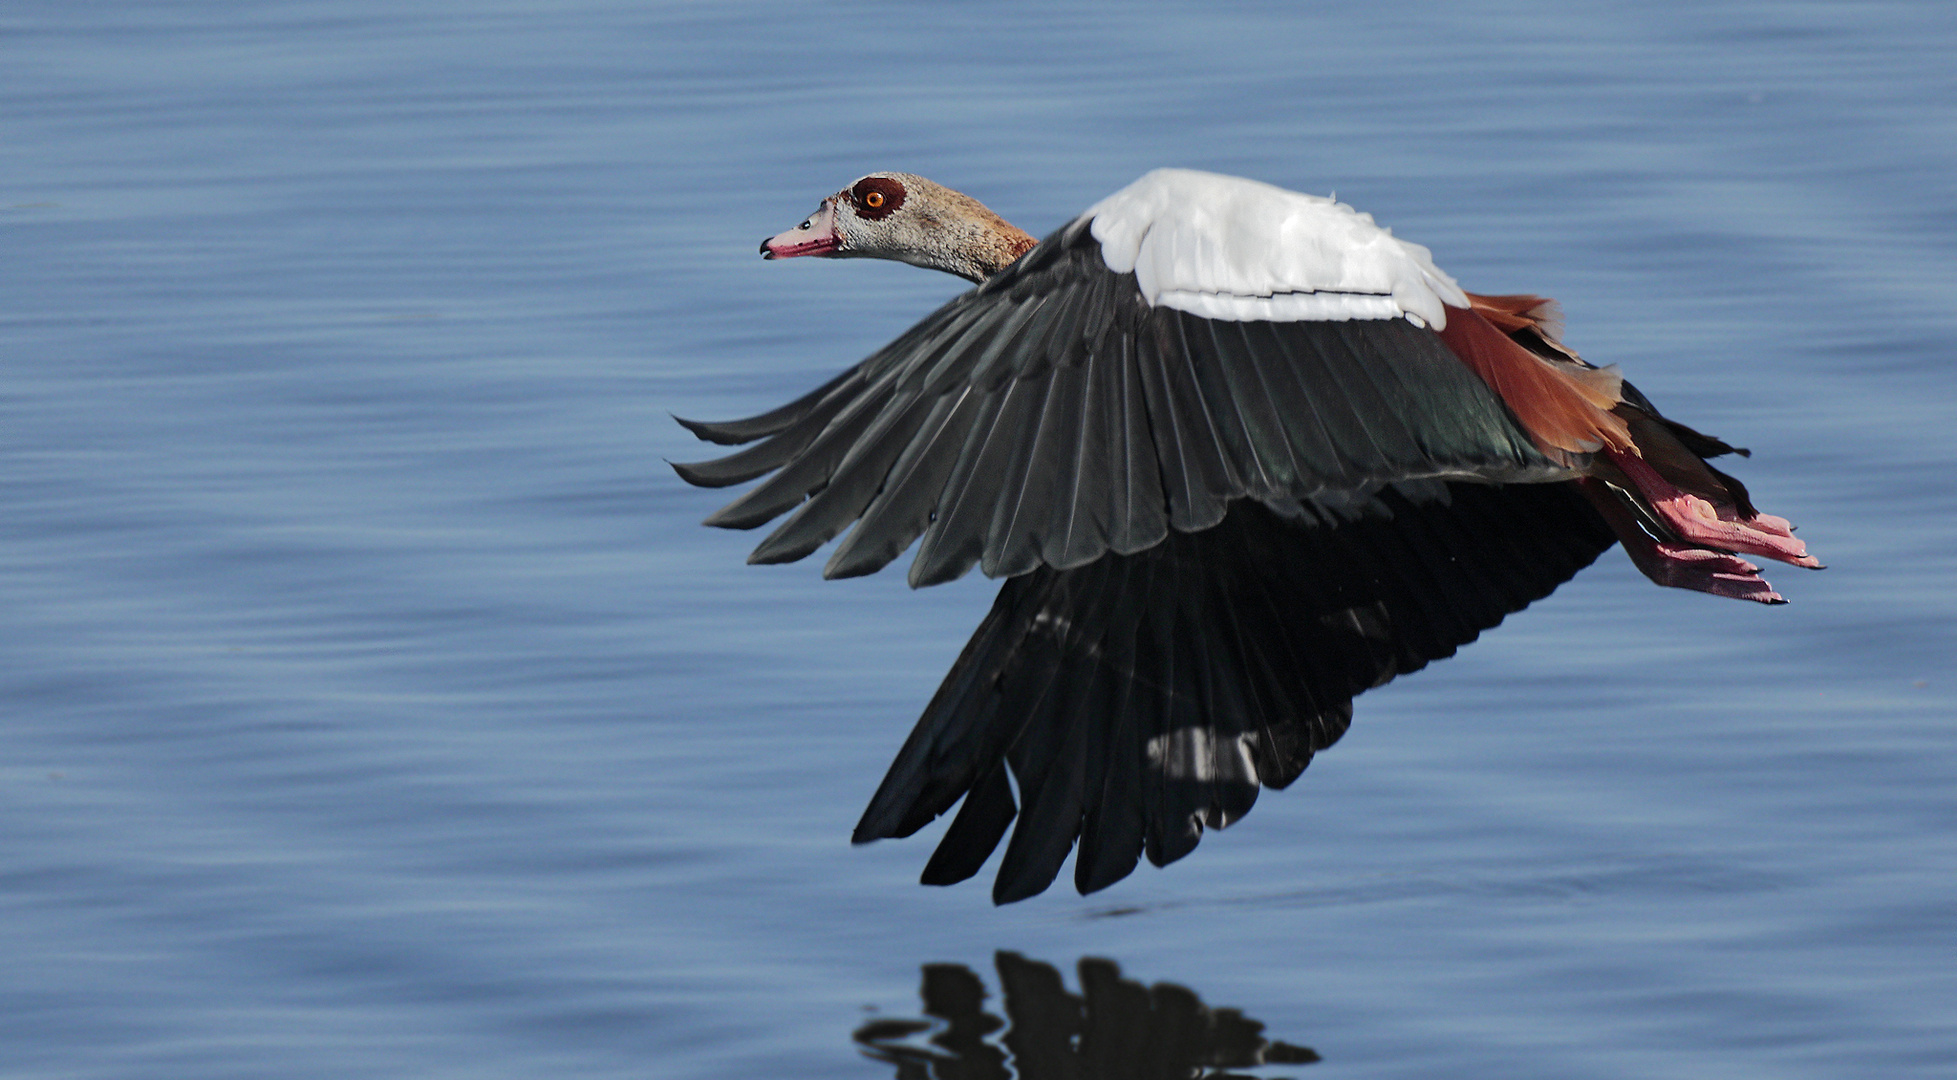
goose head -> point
(893, 215)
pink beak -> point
(816, 236)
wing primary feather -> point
(1293, 396)
(1064, 341)
(738, 468)
(1105, 297)
(1244, 472)
(1035, 352)
(1249, 392)
(734, 432)
(1120, 820)
(1257, 628)
(940, 558)
(1172, 831)
(1368, 377)
(857, 480)
(1139, 519)
(975, 832)
(1232, 763)
(1210, 417)
(1294, 603)
(1050, 757)
(1115, 823)
(957, 736)
(1423, 552)
(1198, 766)
(949, 363)
(1340, 411)
(957, 540)
(1028, 496)
(1450, 414)
(1047, 760)
(927, 370)
(783, 447)
(837, 392)
(1187, 463)
(1077, 534)
(1178, 486)
(1421, 432)
(899, 514)
(809, 471)
(997, 358)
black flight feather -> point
(1141, 698)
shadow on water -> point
(1114, 1028)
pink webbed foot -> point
(1699, 523)
(1777, 525)
(1678, 566)
(1715, 572)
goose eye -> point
(874, 198)
(807, 222)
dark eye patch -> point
(891, 196)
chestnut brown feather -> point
(1565, 407)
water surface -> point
(374, 705)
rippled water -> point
(372, 705)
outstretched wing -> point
(1054, 415)
(1219, 439)
(1140, 698)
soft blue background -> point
(371, 704)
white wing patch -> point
(1227, 248)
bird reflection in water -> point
(1114, 1029)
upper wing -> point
(1053, 415)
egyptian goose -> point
(1240, 455)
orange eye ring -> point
(874, 200)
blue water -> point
(372, 705)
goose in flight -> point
(1239, 455)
